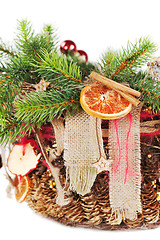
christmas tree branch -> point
(12, 131)
(7, 51)
(50, 33)
(39, 107)
(122, 65)
(57, 70)
(85, 67)
(30, 44)
(149, 89)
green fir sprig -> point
(35, 56)
(12, 131)
(122, 65)
(16, 68)
(150, 90)
(29, 44)
(39, 107)
(85, 67)
(56, 69)
(6, 50)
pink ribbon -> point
(119, 147)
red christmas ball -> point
(83, 55)
(67, 46)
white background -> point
(94, 26)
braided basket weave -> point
(93, 209)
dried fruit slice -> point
(102, 102)
(21, 188)
(22, 159)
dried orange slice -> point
(102, 102)
(21, 188)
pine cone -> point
(73, 212)
(150, 164)
(91, 209)
(41, 196)
(134, 223)
(101, 193)
(150, 204)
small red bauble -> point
(83, 54)
(67, 46)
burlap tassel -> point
(82, 148)
(125, 175)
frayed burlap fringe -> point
(83, 146)
(125, 174)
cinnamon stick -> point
(114, 85)
(129, 97)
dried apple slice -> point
(22, 162)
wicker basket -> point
(93, 209)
